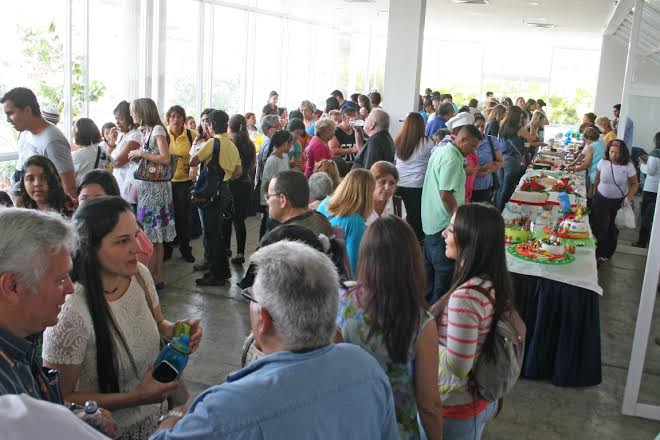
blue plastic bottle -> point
(172, 359)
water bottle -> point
(173, 358)
(92, 416)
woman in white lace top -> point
(107, 338)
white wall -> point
(610, 76)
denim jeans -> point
(439, 268)
(468, 429)
(509, 175)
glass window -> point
(113, 56)
(297, 64)
(229, 56)
(32, 56)
(324, 63)
(181, 48)
(267, 70)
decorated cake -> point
(530, 192)
(553, 197)
(573, 227)
(552, 245)
(517, 230)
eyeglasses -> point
(268, 196)
(247, 294)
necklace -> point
(110, 292)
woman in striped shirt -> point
(467, 316)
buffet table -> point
(560, 306)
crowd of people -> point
(376, 289)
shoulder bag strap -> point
(614, 180)
(189, 136)
(98, 156)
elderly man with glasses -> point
(305, 386)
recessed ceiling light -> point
(540, 25)
(534, 4)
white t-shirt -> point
(652, 170)
(389, 210)
(26, 417)
(273, 166)
(413, 170)
(124, 173)
(72, 341)
(84, 160)
(608, 182)
(51, 143)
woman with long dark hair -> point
(615, 186)
(512, 138)
(386, 315)
(109, 330)
(240, 186)
(41, 187)
(413, 151)
(480, 293)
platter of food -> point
(546, 250)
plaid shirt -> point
(21, 369)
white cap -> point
(460, 120)
(50, 114)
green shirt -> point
(444, 173)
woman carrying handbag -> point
(155, 207)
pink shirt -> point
(472, 159)
(316, 151)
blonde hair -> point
(497, 113)
(324, 123)
(537, 117)
(307, 105)
(354, 195)
(147, 112)
(329, 167)
(604, 121)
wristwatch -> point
(172, 413)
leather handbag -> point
(154, 172)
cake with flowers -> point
(518, 230)
(530, 192)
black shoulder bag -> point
(211, 177)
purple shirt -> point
(316, 151)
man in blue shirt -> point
(305, 386)
(444, 113)
(628, 135)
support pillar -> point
(403, 62)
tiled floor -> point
(535, 410)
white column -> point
(68, 62)
(403, 62)
(610, 75)
(630, 69)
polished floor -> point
(535, 410)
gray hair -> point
(324, 123)
(381, 119)
(320, 185)
(29, 237)
(298, 285)
(268, 122)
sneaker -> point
(238, 259)
(188, 258)
(210, 281)
(201, 267)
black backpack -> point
(209, 182)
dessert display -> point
(517, 230)
(530, 192)
(572, 225)
(547, 250)
(552, 245)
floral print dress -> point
(353, 322)
(155, 208)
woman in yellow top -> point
(181, 140)
(608, 134)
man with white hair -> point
(306, 386)
(35, 261)
(379, 146)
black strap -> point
(614, 180)
(215, 157)
(98, 156)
